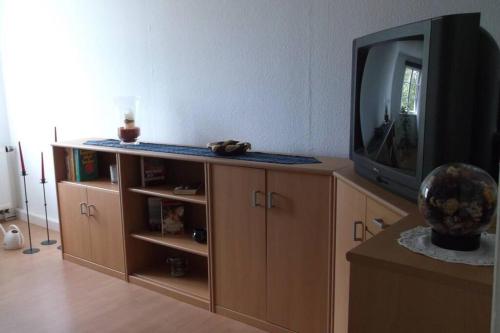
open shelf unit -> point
(104, 161)
(148, 249)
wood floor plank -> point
(43, 293)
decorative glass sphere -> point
(458, 201)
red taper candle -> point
(23, 168)
(43, 171)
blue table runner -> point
(206, 152)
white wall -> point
(273, 72)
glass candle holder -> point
(127, 107)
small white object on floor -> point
(418, 240)
(13, 238)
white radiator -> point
(5, 182)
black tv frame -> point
(447, 98)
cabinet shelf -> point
(180, 242)
(101, 183)
(193, 284)
(168, 192)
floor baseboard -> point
(37, 219)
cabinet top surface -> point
(384, 251)
(327, 166)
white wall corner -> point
(37, 219)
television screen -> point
(389, 103)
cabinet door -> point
(239, 234)
(378, 217)
(74, 222)
(298, 229)
(351, 211)
(106, 229)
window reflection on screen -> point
(389, 103)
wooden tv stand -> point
(278, 235)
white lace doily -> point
(419, 240)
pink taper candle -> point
(43, 170)
(23, 168)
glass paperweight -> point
(458, 201)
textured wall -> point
(273, 72)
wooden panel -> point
(165, 191)
(351, 207)
(74, 225)
(393, 302)
(239, 233)
(182, 242)
(106, 229)
(102, 183)
(298, 254)
(375, 210)
(96, 267)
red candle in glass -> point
(23, 168)
(43, 170)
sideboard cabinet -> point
(91, 225)
(359, 217)
(271, 246)
(268, 260)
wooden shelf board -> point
(191, 284)
(168, 192)
(101, 183)
(182, 242)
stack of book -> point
(81, 165)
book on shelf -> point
(85, 165)
(70, 165)
(191, 189)
(153, 171)
(154, 213)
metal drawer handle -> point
(379, 223)
(355, 231)
(90, 210)
(270, 203)
(255, 203)
(83, 212)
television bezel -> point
(389, 177)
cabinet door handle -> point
(83, 212)
(355, 231)
(89, 213)
(255, 203)
(379, 223)
(270, 203)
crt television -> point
(423, 94)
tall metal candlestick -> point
(43, 181)
(31, 249)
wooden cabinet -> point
(239, 233)
(271, 245)
(378, 217)
(351, 205)
(91, 224)
(358, 218)
(104, 213)
(298, 229)
(74, 222)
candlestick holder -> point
(48, 241)
(43, 181)
(31, 249)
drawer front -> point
(378, 217)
